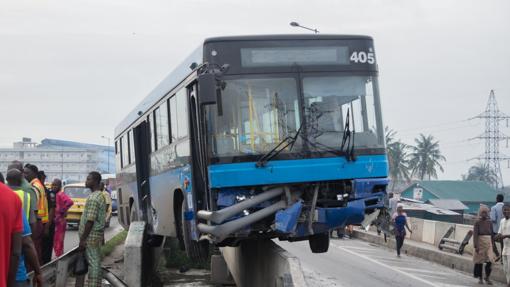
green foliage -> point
(426, 158)
(482, 172)
(118, 239)
(397, 158)
(177, 258)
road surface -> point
(352, 262)
(72, 239)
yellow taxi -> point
(78, 193)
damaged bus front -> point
(291, 141)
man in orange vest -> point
(30, 172)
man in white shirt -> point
(504, 234)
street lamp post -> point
(108, 151)
(296, 24)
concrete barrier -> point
(263, 263)
(133, 254)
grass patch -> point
(119, 238)
(177, 258)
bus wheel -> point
(319, 243)
(196, 250)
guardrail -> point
(57, 272)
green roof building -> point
(471, 193)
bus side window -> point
(124, 151)
(117, 155)
(152, 132)
(161, 117)
(182, 108)
(173, 118)
(131, 144)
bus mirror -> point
(207, 87)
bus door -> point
(141, 136)
(197, 139)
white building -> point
(66, 161)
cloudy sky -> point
(73, 69)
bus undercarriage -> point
(291, 212)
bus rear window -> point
(288, 56)
(77, 192)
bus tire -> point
(319, 243)
(195, 250)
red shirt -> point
(11, 222)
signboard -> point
(418, 193)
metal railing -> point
(57, 272)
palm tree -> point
(389, 135)
(482, 172)
(398, 161)
(426, 158)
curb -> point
(454, 261)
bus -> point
(257, 137)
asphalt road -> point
(352, 262)
(71, 240)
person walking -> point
(30, 172)
(496, 215)
(504, 235)
(400, 222)
(482, 242)
(11, 228)
(28, 254)
(64, 202)
(91, 229)
(49, 230)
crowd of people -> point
(34, 224)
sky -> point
(74, 69)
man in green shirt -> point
(91, 228)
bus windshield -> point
(260, 112)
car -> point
(113, 195)
(78, 193)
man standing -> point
(392, 204)
(10, 235)
(27, 188)
(49, 230)
(496, 216)
(504, 236)
(91, 230)
(30, 172)
(29, 254)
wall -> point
(431, 232)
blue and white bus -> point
(257, 137)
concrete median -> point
(431, 253)
(263, 263)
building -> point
(71, 161)
(430, 212)
(454, 205)
(470, 193)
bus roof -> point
(170, 82)
(286, 37)
(183, 70)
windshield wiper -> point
(288, 141)
(348, 138)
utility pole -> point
(492, 136)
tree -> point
(397, 158)
(398, 162)
(482, 172)
(426, 158)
